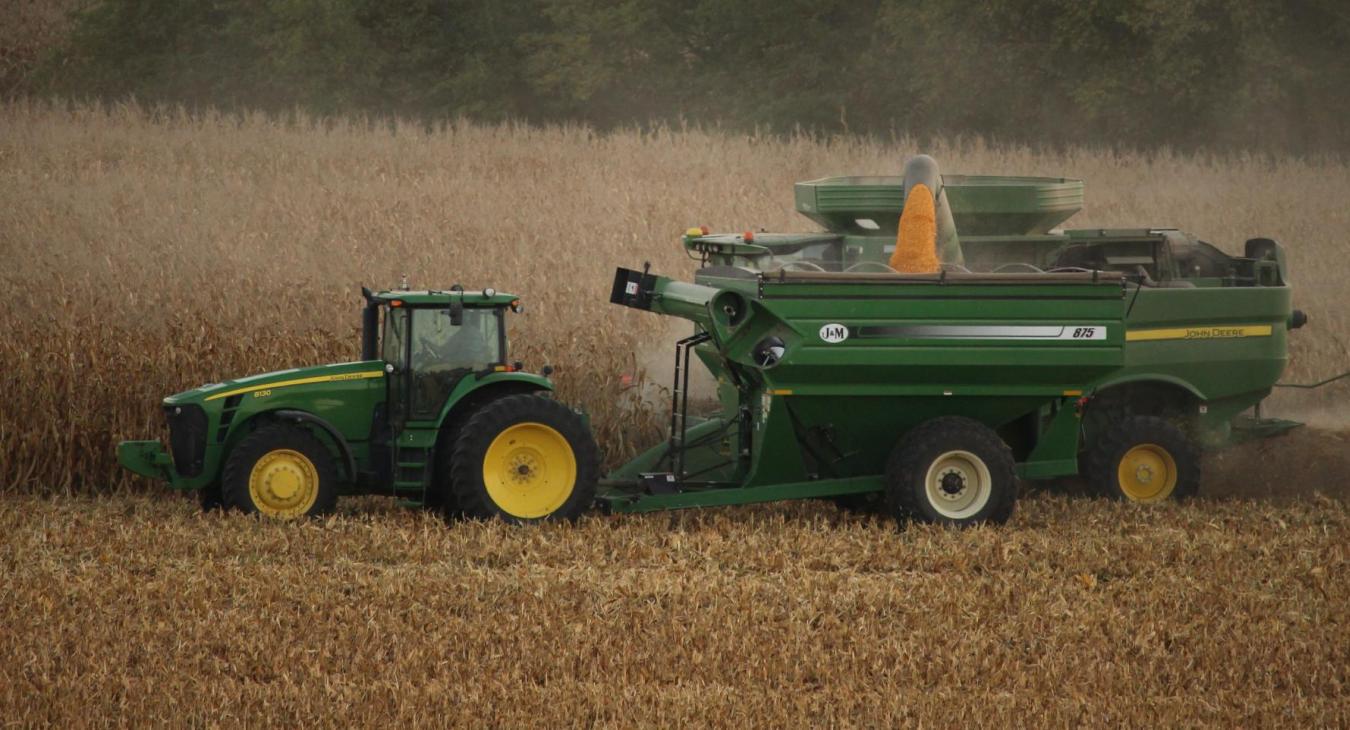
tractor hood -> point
(295, 377)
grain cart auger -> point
(432, 412)
(1019, 350)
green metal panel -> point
(475, 382)
(866, 358)
(344, 394)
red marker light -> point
(748, 236)
(704, 230)
(396, 303)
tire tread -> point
(234, 477)
(1101, 458)
(914, 454)
(489, 421)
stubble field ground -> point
(149, 251)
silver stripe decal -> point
(985, 332)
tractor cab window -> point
(395, 334)
(442, 352)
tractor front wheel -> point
(1143, 459)
(280, 471)
(525, 458)
(951, 471)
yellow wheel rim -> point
(529, 470)
(283, 483)
(1147, 473)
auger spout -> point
(926, 237)
(641, 290)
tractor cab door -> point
(446, 346)
(431, 349)
(396, 349)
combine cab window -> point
(443, 352)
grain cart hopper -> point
(1114, 354)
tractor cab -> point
(431, 341)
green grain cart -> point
(1033, 353)
(1111, 354)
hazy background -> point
(1269, 75)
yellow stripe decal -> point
(298, 381)
(1199, 333)
(781, 391)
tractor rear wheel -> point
(280, 471)
(210, 498)
(1143, 459)
(951, 471)
(525, 458)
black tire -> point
(264, 441)
(964, 445)
(864, 503)
(441, 496)
(1161, 445)
(211, 498)
(526, 411)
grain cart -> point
(1031, 353)
(433, 412)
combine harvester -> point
(939, 341)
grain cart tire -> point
(951, 471)
(863, 503)
(525, 458)
(280, 471)
(1143, 459)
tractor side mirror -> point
(456, 313)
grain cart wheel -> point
(280, 471)
(525, 458)
(951, 471)
(1143, 459)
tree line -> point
(1265, 74)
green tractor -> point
(433, 412)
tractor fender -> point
(305, 417)
(492, 387)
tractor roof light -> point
(396, 303)
(489, 293)
(516, 306)
(748, 236)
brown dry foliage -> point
(149, 252)
(135, 610)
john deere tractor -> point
(433, 412)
